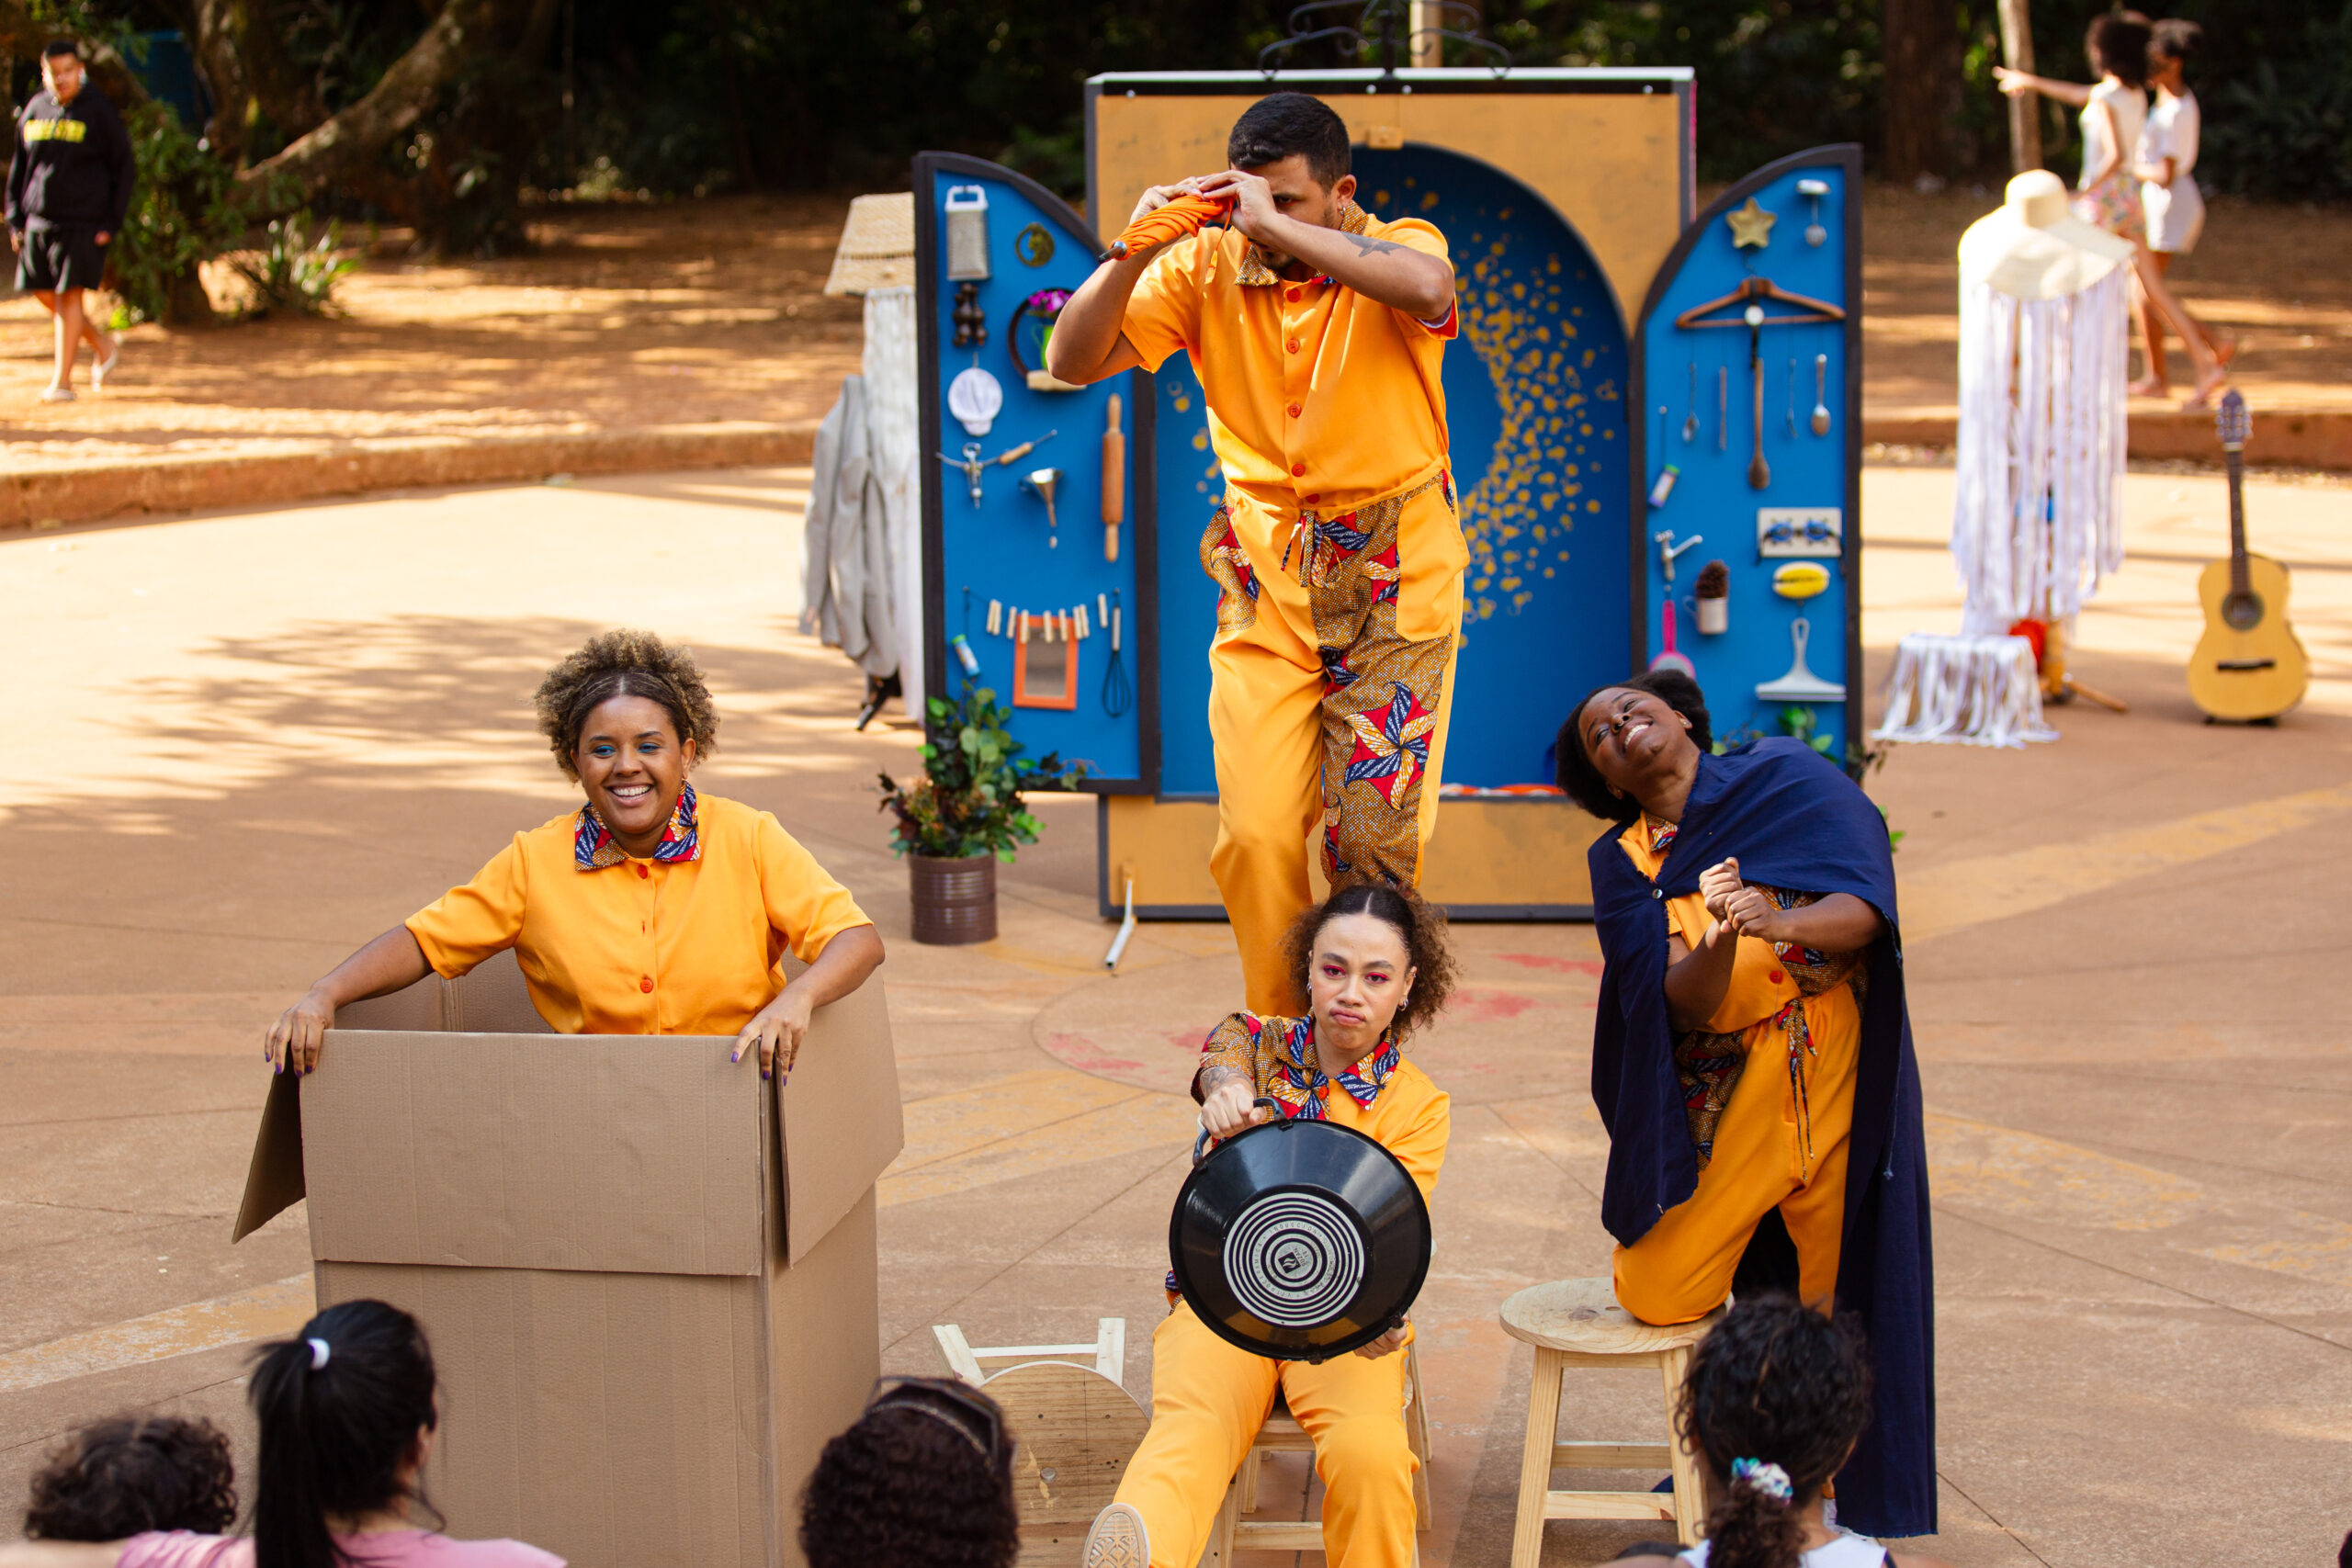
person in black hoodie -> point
(69, 186)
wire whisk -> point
(1118, 693)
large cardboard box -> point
(649, 1275)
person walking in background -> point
(2115, 108)
(69, 186)
(2168, 195)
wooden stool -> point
(1578, 1323)
(1073, 1426)
(1282, 1434)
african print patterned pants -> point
(1328, 716)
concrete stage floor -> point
(245, 743)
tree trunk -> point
(2025, 109)
(340, 148)
(1921, 87)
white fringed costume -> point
(2038, 513)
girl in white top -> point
(1774, 1401)
(2168, 193)
(2114, 110)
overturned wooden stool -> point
(1074, 1426)
(1578, 1323)
(1282, 1434)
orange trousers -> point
(1683, 1268)
(1209, 1399)
(1329, 693)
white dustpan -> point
(1800, 685)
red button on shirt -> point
(646, 984)
(1295, 294)
(642, 872)
(1294, 410)
(1292, 345)
(1311, 498)
(1778, 976)
(1298, 471)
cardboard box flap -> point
(839, 1115)
(274, 1179)
(621, 1153)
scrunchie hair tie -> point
(1765, 1477)
(319, 1353)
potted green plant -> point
(965, 814)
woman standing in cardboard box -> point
(650, 909)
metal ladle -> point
(1690, 421)
(1820, 405)
(1045, 482)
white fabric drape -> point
(2038, 517)
(894, 448)
(846, 551)
(1963, 690)
(862, 554)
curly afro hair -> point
(134, 1473)
(1779, 1382)
(1572, 766)
(903, 1487)
(1420, 926)
(624, 664)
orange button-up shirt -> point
(1318, 396)
(644, 947)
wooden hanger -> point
(1755, 289)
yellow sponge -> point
(1801, 579)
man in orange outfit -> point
(1316, 330)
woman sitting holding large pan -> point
(1372, 963)
(649, 910)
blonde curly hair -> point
(624, 664)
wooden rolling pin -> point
(1114, 482)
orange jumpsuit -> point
(1769, 1081)
(1208, 1397)
(1338, 559)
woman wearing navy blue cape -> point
(1751, 1053)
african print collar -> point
(1300, 1085)
(593, 847)
(1257, 272)
(1661, 834)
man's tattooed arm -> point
(1367, 246)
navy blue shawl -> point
(1794, 821)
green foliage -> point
(968, 801)
(1799, 722)
(184, 212)
(297, 270)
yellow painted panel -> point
(1611, 163)
(1483, 851)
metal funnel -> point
(1045, 482)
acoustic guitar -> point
(2249, 666)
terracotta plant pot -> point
(955, 900)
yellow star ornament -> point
(1751, 225)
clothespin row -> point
(1017, 624)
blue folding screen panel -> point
(1807, 210)
(1000, 547)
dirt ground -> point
(631, 315)
(625, 316)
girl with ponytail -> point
(1777, 1397)
(347, 1417)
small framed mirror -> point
(1045, 674)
